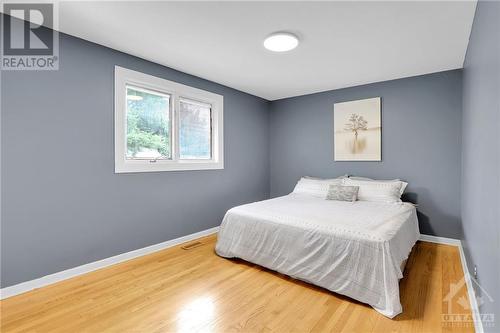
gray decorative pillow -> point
(342, 193)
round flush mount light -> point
(281, 42)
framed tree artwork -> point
(358, 130)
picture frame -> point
(357, 127)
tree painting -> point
(358, 130)
(355, 124)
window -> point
(162, 125)
(195, 137)
(148, 124)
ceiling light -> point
(281, 42)
(134, 97)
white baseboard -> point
(83, 269)
(440, 240)
(478, 324)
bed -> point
(356, 248)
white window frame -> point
(177, 91)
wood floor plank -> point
(178, 290)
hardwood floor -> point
(177, 290)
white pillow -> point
(378, 191)
(317, 178)
(315, 187)
(403, 184)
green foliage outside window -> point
(147, 125)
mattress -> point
(352, 248)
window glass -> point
(148, 124)
(195, 131)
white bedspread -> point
(354, 249)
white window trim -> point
(177, 91)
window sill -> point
(159, 166)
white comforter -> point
(354, 249)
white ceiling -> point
(342, 43)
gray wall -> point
(421, 126)
(481, 154)
(63, 206)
